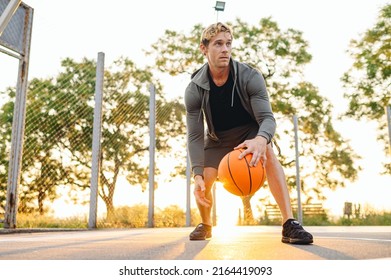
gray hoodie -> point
(252, 91)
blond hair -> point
(214, 29)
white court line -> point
(352, 238)
(76, 235)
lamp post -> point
(220, 5)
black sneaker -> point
(294, 233)
(201, 232)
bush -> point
(173, 216)
(370, 218)
(44, 221)
(137, 217)
(128, 217)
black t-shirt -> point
(225, 115)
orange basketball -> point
(238, 177)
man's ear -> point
(203, 49)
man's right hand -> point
(199, 191)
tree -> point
(367, 82)
(41, 172)
(126, 127)
(6, 113)
(281, 56)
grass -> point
(45, 221)
(173, 216)
(371, 219)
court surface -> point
(229, 243)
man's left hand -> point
(256, 147)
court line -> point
(353, 238)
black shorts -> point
(228, 139)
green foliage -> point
(178, 58)
(34, 221)
(128, 217)
(137, 217)
(171, 216)
(370, 219)
(367, 82)
(277, 53)
(59, 125)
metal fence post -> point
(188, 191)
(96, 141)
(298, 184)
(18, 125)
(152, 144)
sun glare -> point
(228, 207)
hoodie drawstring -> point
(202, 106)
(233, 92)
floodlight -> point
(220, 5)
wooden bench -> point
(272, 211)
(313, 209)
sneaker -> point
(294, 233)
(201, 232)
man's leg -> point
(204, 229)
(292, 231)
(277, 183)
(210, 175)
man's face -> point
(219, 50)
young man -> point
(231, 98)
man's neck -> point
(219, 75)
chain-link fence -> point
(55, 172)
(57, 151)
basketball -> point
(238, 177)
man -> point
(231, 98)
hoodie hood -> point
(201, 78)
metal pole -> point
(298, 185)
(152, 144)
(214, 207)
(388, 113)
(188, 191)
(96, 141)
(8, 13)
(18, 124)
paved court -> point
(235, 243)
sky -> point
(77, 29)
